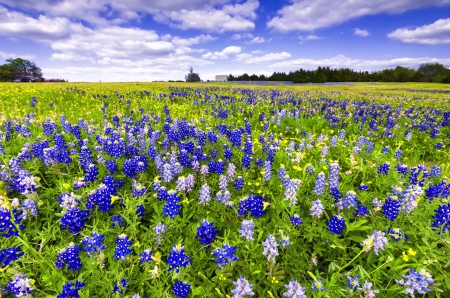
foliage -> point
(103, 190)
(192, 76)
(20, 68)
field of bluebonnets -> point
(204, 190)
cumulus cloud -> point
(361, 32)
(308, 15)
(251, 59)
(231, 50)
(341, 61)
(309, 37)
(432, 34)
(43, 28)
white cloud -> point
(231, 50)
(308, 15)
(258, 39)
(43, 29)
(241, 35)
(432, 34)
(257, 52)
(361, 32)
(14, 55)
(342, 61)
(309, 37)
(250, 59)
(184, 42)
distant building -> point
(221, 78)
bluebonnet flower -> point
(177, 258)
(101, 197)
(391, 207)
(189, 182)
(25, 183)
(310, 169)
(206, 232)
(336, 224)
(366, 290)
(247, 229)
(350, 201)
(442, 218)
(146, 256)
(396, 234)
(223, 183)
(238, 183)
(90, 173)
(29, 207)
(416, 281)
(204, 170)
(231, 171)
(181, 289)
(398, 154)
(290, 193)
(71, 289)
(376, 241)
(225, 255)
(319, 186)
(9, 255)
(21, 286)
(333, 180)
(68, 201)
(74, 220)
(166, 174)
(267, 170)
(318, 285)
(243, 288)
(439, 146)
(363, 187)
(435, 171)
(172, 208)
(228, 154)
(224, 197)
(296, 220)
(353, 282)
(69, 256)
(123, 247)
(402, 168)
(93, 244)
(385, 150)
(285, 241)
(294, 290)
(117, 221)
(282, 172)
(410, 198)
(246, 160)
(270, 248)
(160, 229)
(120, 286)
(317, 208)
(256, 205)
(138, 189)
(384, 169)
(205, 194)
(140, 210)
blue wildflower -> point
(120, 286)
(9, 255)
(74, 220)
(206, 232)
(294, 290)
(123, 247)
(71, 289)
(146, 256)
(177, 258)
(391, 208)
(243, 288)
(69, 256)
(336, 224)
(253, 204)
(21, 286)
(416, 281)
(181, 289)
(93, 244)
(225, 255)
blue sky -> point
(138, 40)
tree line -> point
(19, 68)
(427, 72)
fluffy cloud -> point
(43, 28)
(209, 15)
(432, 34)
(250, 59)
(309, 37)
(361, 32)
(308, 15)
(241, 35)
(232, 50)
(342, 61)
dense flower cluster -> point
(69, 256)
(177, 258)
(206, 232)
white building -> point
(221, 78)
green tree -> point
(431, 70)
(319, 76)
(5, 73)
(192, 76)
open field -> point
(224, 190)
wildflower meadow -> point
(219, 190)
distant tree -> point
(245, 77)
(35, 73)
(231, 78)
(431, 70)
(192, 76)
(319, 76)
(5, 73)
